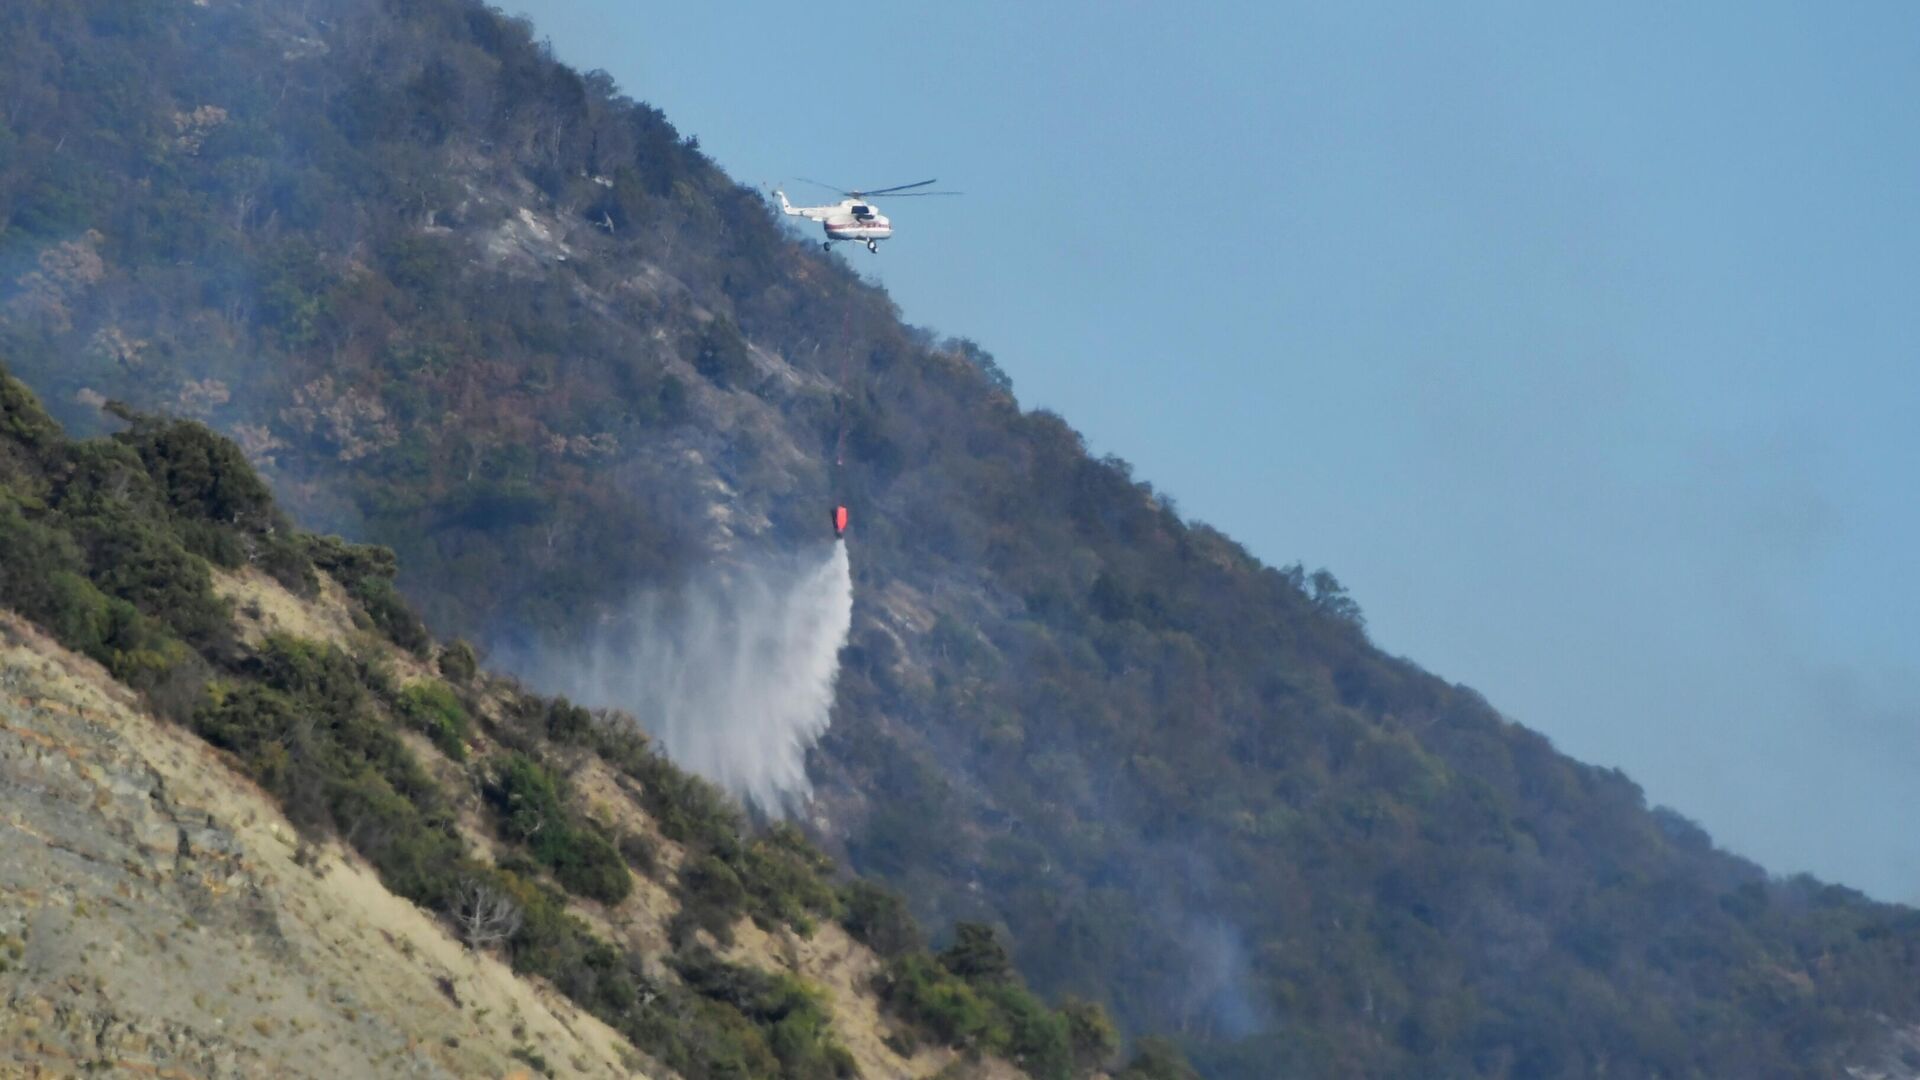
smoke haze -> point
(733, 672)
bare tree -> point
(485, 915)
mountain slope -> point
(319, 883)
(459, 300)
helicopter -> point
(854, 217)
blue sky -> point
(1582, 344)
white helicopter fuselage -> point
(850, 219)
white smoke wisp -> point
(733, 673)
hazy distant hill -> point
(459, 300)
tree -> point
(485, 915)
(1091, 1036)
(1332, 599)
(879, 919)
(976, 954)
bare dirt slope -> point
(158, 916)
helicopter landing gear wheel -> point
(826, 245)
(873, 246)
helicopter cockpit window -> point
(862, 211)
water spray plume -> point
(733, 674)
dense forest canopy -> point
(457, 299)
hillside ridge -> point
(456, 299)
(267, 825)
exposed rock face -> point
(158, 915)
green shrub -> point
(35, 556)
(22, 419)
(112, 513)
(921, 991)
(878, 918)
(711, 895)
(533, 810)
(532, 1059)
(431, 707)
(367, 571)
(1036, 1037)
(40, 578)
(78, 615)
(303, 721)
(567, 722)
(528, 798)
(790, 1014)
(264, 728)
(976, 954)
(391, 614)
(458, 662)
(1092, 1038)
(776, 878)
(283, 557)
(787, 879)
(349, 563)
(640, 852)
(705, 1040)
(588, 864)
(203, 476)
(191, 485)
(969, 996)
(417, 856)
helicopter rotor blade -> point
(897, 187)
(829, 187)
(898, 192)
